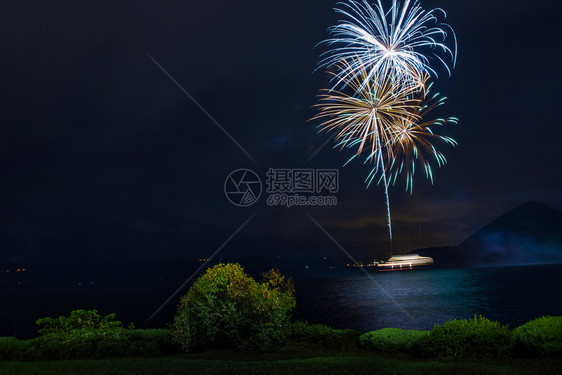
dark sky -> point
(103, 157)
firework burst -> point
(413, 140)
(378, 64)
(390, 43)
(365, 119)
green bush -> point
(161, 338)
(227, 308)
(340, 339)
(8, 345)
(78, 319)
(304, 331)
(542, 336)
(88, 343)
(477, 337)
(84, 343)
(155, 334)
(391, 340)
(85, 334)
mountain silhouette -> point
(528, 234)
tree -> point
(227, 308)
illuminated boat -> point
(405, 263)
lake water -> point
(420, 299)
(423, 298)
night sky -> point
(103, 157)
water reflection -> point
(510, 295)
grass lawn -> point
(297, 358)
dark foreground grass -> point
(299, 358)
(317, 366)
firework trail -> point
(379, 61)
(367, 119)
